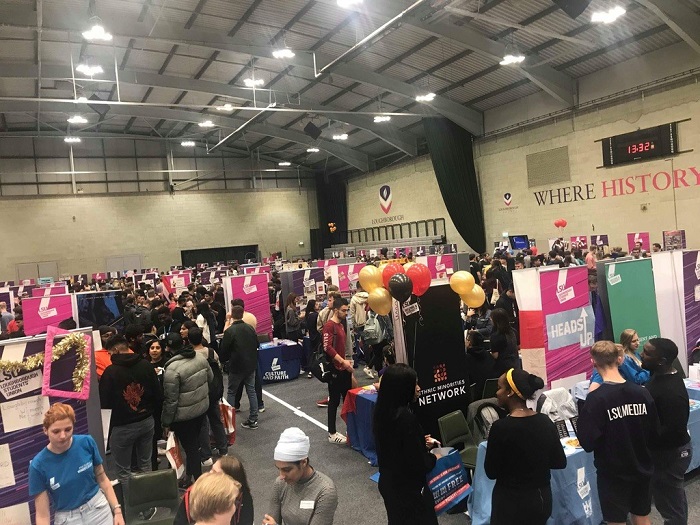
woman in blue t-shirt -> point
(69, 475)
(631, 368)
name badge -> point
(306, 504)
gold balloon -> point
(475, 298)
(407, 265)
(462, 282)
(380, 301)
(371, 278)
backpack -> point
(321, 367)
(217, 389)
(487, 414)
(359, 318)
(374, 332)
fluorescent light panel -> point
(312, 150)
(71, 140)
(284, 164)
(425, 98)
(608, 17)
(225, 107)
(283, 53)
(253, 82)
(187, 143)
(512, 59)
(342, 136)
(206, 124)
(89, 70)
(77, 119)
(381, 118)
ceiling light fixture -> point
(283, 53)
(88, 70)
(312, 150)
(82, 99)
(509, 59)
(342, 136)
(283, 164)
(206, 124)
(97, 32)
(253, 82)
(225, 107)
(425, 98)
(608, 17)
(187, 143)
(381, 118)
(77, 119)
(71, 140)
(349, 3)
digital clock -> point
(641, 145)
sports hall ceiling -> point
(173, 64)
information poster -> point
(349, 276)
(56, 289)
(599, 240)
(176, 283)
(569, 323)
(254, 292)
(674, 240)
(691, 285)
(579, 242)
(634, 238)
(632, 298)
(441, 266)
(42, 312)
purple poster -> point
(691, 281)
(8, 298)
(599, 240)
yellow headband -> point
(509, 377)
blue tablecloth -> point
(568, 507)
(357, 411)
(694, 430)
(279, 362)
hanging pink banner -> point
(42, 312)
(253, 290)
(441, 266)
(634, 238)
(55, 289)
(569, 322)
(348, 276)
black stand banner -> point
(435, 348)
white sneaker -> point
(207, 462)
(337, 438)
(161, 451)
(368, 372)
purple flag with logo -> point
(691, 282)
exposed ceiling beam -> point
(357, 159)
(64, 19)
(681, 19)
(391, 134)
(557, 84)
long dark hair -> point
(501, 323)
(398, 388)
(310, 306)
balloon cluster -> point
(471, 293)
(332, 227)
(394, 281)
(560, 223)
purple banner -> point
(691, 285)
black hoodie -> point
(481, 366)
(130, 387)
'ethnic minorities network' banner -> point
(632, 298)
(691, 292)
(569, 323)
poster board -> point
(441, 266)
(176, 283)
(56, 289)
(633, 238)
(348, 276)
(691, 297)
(600, 241)
(21, 409)
(253, 290)
(674, 240)
(8, 297)
(42, 312)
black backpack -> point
(217, 389)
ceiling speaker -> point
(573, 8)
(312, 130)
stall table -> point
(279, 362)
(357, 412)
(574, 492)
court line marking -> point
(296, 411)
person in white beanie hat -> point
(301, 495)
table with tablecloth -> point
(574, 491)
(357, 412)
(279, 362)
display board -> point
(348, 276)
(302, 282)
(441, 266)
(94, 309)
(632, 298)
(642, 237)
(55, 289)
(691, 296)
(42, 312)
(253, 290)
(176, 283)
(674, 240)
(22, 408)
(599, 240)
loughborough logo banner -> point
(385, 198)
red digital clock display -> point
(640, 147)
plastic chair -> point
(148, 490)
(474, 393)
(455, 431)
(490, 387)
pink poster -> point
(324, 263)
(634, 238)
(348, 276)
(99, 277)
(579, 242)
(56, 289)
(569, 322)
(42, 312)
(254, 270)
(441, 266)
(253, 290)
(176, 283)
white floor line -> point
(296, 411)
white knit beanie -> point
(293, 445)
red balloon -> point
(420, 275)
(563, 223)
(389, 270)
(557, 223)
